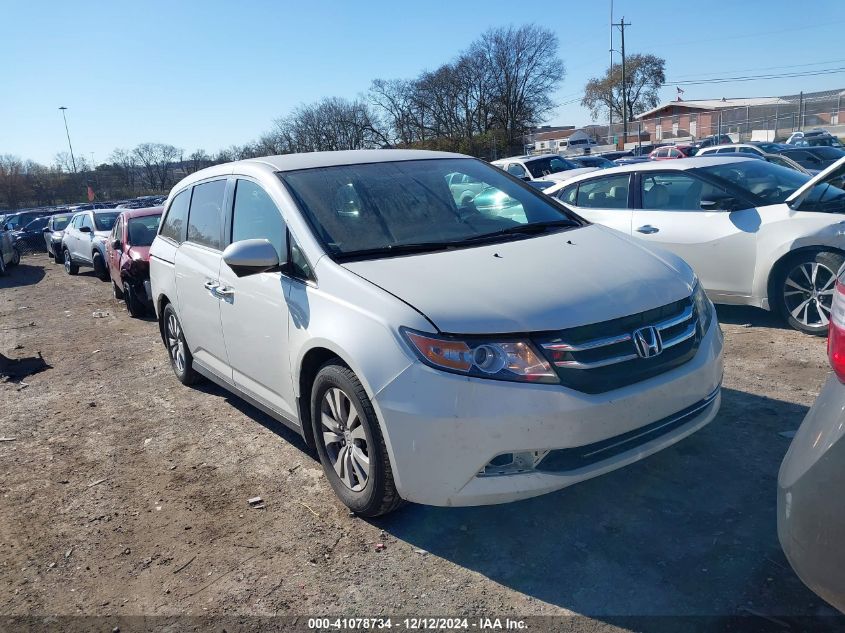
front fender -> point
(822, 233)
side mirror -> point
(46, 229)
(84, 229)
(722, 204)
(115, 244)
(249, 257)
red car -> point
(128, 257)
(673, 151)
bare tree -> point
(524, 69)
(12, 180)
(125, 161)
(644, 76)
(329, 125)
(156, 160)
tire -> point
(116, 291)
(134, 305)
(58, 256)
(177, 349)
(2, 264)
(361, 477)
(70, 267)
(16, 256)
(100, 269)
(803, 290)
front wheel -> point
(181, 359)
(804, 290)
(134, 305)
(100, 269)
(350, 444)
(16, 256)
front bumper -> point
(442, 429)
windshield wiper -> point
(523, 229)
(423, 247)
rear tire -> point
(177, 349)
(803, 290)
(70, 267)
(350, 444)
(16, 256)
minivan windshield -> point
(381, 209)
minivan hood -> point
(549, 282)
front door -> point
(197, 264)
(253, 310)
(720, 245)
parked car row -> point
(755, 233)
(113, 242)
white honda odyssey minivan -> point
(430, 350)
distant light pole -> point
(72, 159)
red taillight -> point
(836, 332)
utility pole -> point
(72, 159)
(610, 74)
(622, 24)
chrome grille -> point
(604, 356)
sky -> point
(211, 74)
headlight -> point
(484, 358)
(703, 307)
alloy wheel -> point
(175, 343)
(67, 263)
(345, 439)
(808, 293)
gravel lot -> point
(124, 493)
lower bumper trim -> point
(571, 459)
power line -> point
(721, 80)
(743, 70)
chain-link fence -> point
(773, 120)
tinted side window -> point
(173, 226)
(604, 193)
(205, 219)
(568, 194)
(256, 216)
(677, 192)
(515, 169)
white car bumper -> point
(442, 429)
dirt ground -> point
(125, 493)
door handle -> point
(211, 286)
(648, 228)
(224, 291)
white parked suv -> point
(84, 241)
(429, 350)
(755, 233)
(542, 167)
